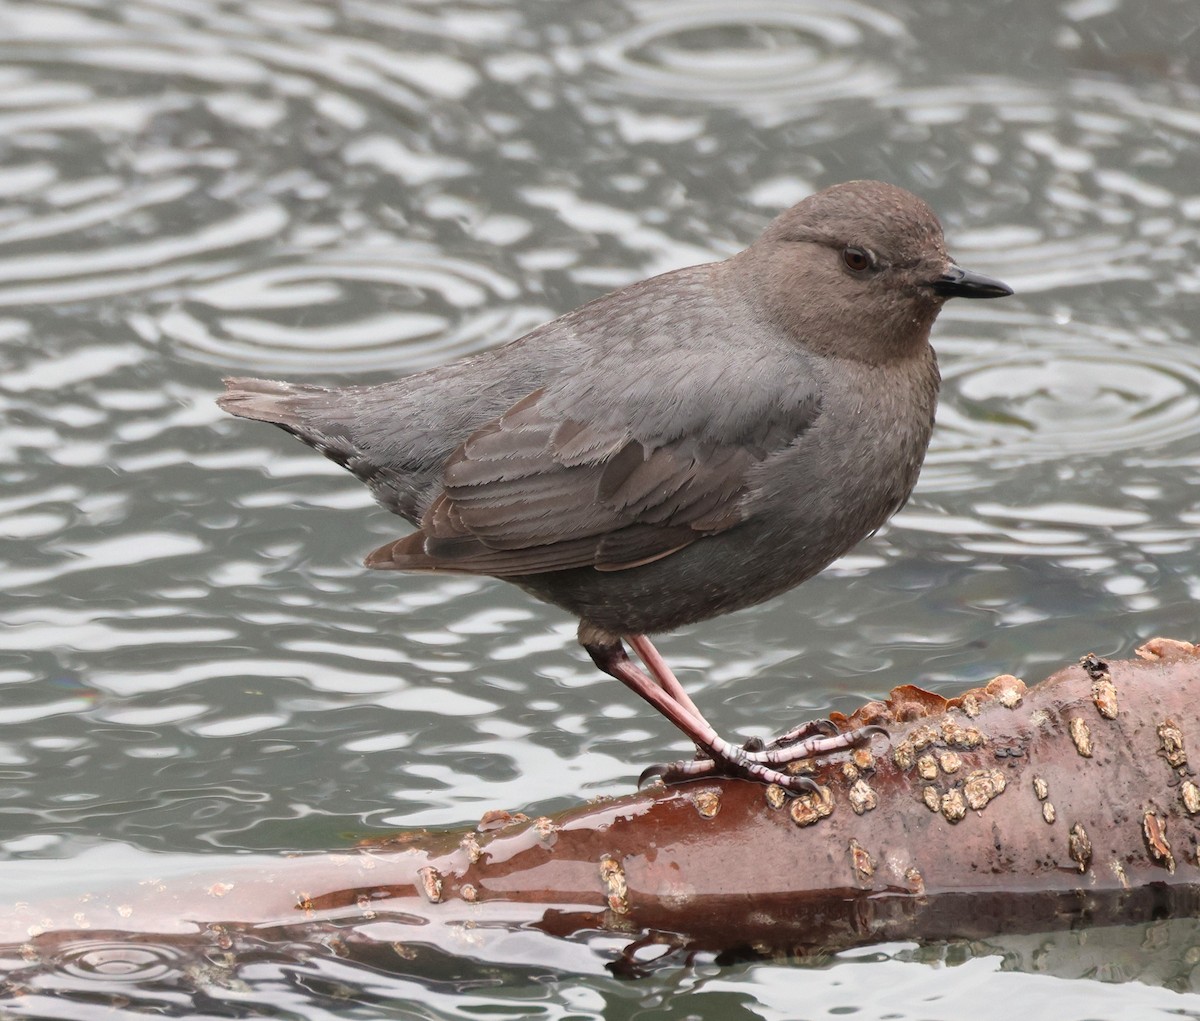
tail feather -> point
(268, 400)
(326, 419)
(306, 411)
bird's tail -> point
(337, 422)
(328, 420)
(268, 400)
(314, 414)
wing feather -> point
(542, 488)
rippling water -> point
(193, 659)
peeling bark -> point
(1003, 810)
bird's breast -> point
(856, 465)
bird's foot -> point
(716, 757)
(821, 737)
(755, 760)
(800, 733)
(736, 765)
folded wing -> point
(539, 489)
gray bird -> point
(687, 446)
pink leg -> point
(799, 743)
(662, 673)
(615, 662)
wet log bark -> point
(1003, 810)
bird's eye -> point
(857, 259)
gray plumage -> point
(683, 447)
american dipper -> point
(689, 445)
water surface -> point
(193, 660)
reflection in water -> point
(472, 970)
(192, 658)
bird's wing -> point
(555, 484)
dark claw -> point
(655, 772)
(674, 772)
(754, 744)
(864, 734)
(801, 784)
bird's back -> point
(397, 436)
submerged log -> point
(1003, 810)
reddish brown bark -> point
(1001, 810)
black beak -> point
(957, 282)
